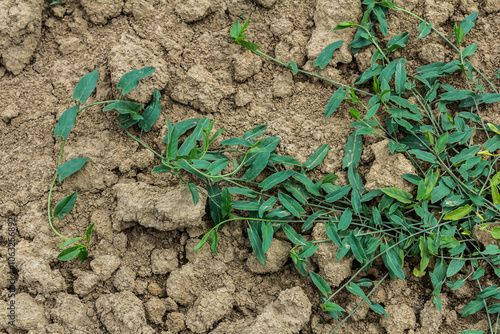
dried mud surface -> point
(142, 275)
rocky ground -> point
(142, 275)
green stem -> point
(97, 103)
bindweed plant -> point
(442, 134)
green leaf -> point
(352, 150)
(290, 204)
(468, 22)
(85, 87)
(267, 236)
(392, 261)
(66, 122)
(495, 195)
(246, 205)
(456, 285)
(331, 232)
(345, 219)
(357, 247)
(478, 274)
(217, 166)
(317, 157)
(236, 141)
(235, 29)
(70, 167)
(202, 242)
(456, 95)
(293, 236)
(70, 241)
(88, 233)
(214, 240)
(377, 308)
(398, 194)
(320, 283)
(458, 213)
(259, 130)
(151, 113)
(335, 101)
(258, 165)
(398, 41)
(294, 68)
(454, 267)
(424, 156)
(131, 79)
(83, 255)
(256, 243)
(161, 169)
(194, 193)
(275, 179)
(424, 28)
(267, 205)
(226, 202)
(400, 78)
(69, 253)
(469, 50)
(310, 186)
(356, 290)
(308, 224)
(65, 206)
(473, 307)
(441, 143)
(344, 25)
(329, 306)
(126, 108)
(214, 203)
(495, 232)
(326, 55)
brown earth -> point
(142, 275)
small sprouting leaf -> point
(70, 167)
(131, 79)
(458, 213)
(293, 236)
(194, 193)
(469, 50)
(398, 194)
(317, 157)
(256, 243)
(69, 242)
(85, 87)
(83, 255)
(235, 30)
(66, 122)
(424, 28)
(344, 25)
(151, 113)
(472, 307)
(88, 233)
(326, 55)
(335, 101)
(441, 143)
(69, 253)
(320, 283)
(294, 67)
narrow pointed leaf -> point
(66, 122)
(317, 157)
(320, 283)
(70, 167)
(131, 79)
(65, 206)
(85, 87)
(335, 101)
(326, 55)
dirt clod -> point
(401, 317)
